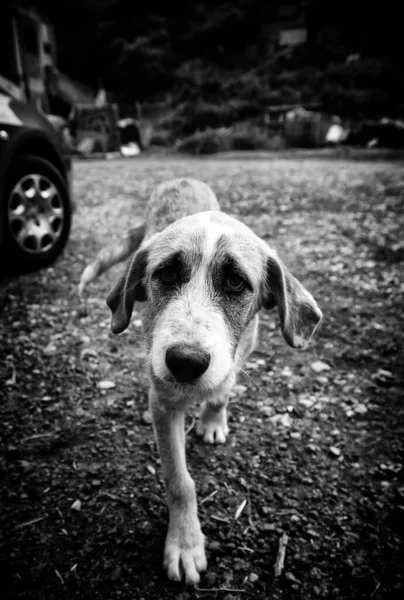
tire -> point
(36, 214)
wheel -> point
(36, 213)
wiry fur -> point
(198, 310)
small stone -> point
(361, 409)
(268, 527)
(384, 373)
(105, 385)
(214, 545)
(50, 349)
(307, 402)
(210, 578)
(151, 469)
(267, 411)
(312, 533)
(253, 577)
(383, 377)
(335, 451)
(319, 366)
(146, 417)
(284, 420)
(116, 573)
(76, 505)
(290, 577)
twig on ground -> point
(240, 509)
(59, 575)
(209, 497)
(375, 590)
(224, 589)
(247, 550)
(280, 559)
(38, 436)
(113, 497)
(13, 378)
(221, 519)
(31, 522)
(249, 509)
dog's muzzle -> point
(186, 362)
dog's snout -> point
(186, 362)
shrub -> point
(209, 141)
(243, 136)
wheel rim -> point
(35, 213)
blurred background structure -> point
(208, 75)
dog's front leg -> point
(185, 545)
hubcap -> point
(35, 213)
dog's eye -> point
(235, 283)
(168, 274)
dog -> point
(203, 276)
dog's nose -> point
(186, 362)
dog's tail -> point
(111, 255)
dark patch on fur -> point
(236, 307)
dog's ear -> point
(127, 291)
(298, 311)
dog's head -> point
(205, 277)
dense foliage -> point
(213, 51)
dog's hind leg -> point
(212, 423)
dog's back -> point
(176, 199)
(168, 203)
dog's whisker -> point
(258, 387)
(191, 426)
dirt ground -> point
(316, 444)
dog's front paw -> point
(212, 424)
(185, 554)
